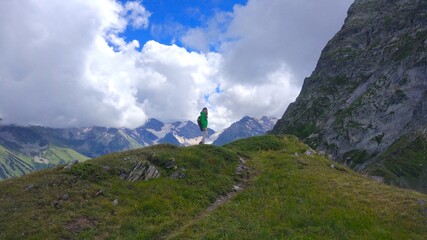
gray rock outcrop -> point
(143, 171)
(366, 102)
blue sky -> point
(116, 63)
(170, 18)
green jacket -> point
(204, 119)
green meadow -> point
(288, 192)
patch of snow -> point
(250, 125)
(183, 124)
(162, 133)
(41, 160)
(214, 136)
(188, 141)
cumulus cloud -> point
(137, 14)
(267, 49)
(65, 63)
(211, 35)
(48, 49)
(282, 31)
(178, 79)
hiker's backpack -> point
(199, 121)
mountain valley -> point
(26, 149)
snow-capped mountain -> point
(25, 149)
(245, 127)
(178, 133)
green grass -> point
(355, 157)
(21, 164)
(58, 155)
(5, 152)
(133, 143)
(145, 209)
(14, 164)
(289, 195)
(304, 198)
(394, 167)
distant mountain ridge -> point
(244, 128)
(26, 149)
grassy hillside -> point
(289, 192)
(14, 164)
(58, 155)
(296, 196)
(404, 164)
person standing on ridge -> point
(204, 124)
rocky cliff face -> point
(366, 102)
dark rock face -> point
(153, 123)
(368, 92)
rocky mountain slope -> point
(26, 149)
(23, 150)
(366, 102)
(170, 192)
(244, 128)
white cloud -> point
(176, 80)
(266, 98)
(137, 14)
(57, 69)
(267, 49)
(282, 31)
(196, 38)
(209, 36)
(64, 63)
